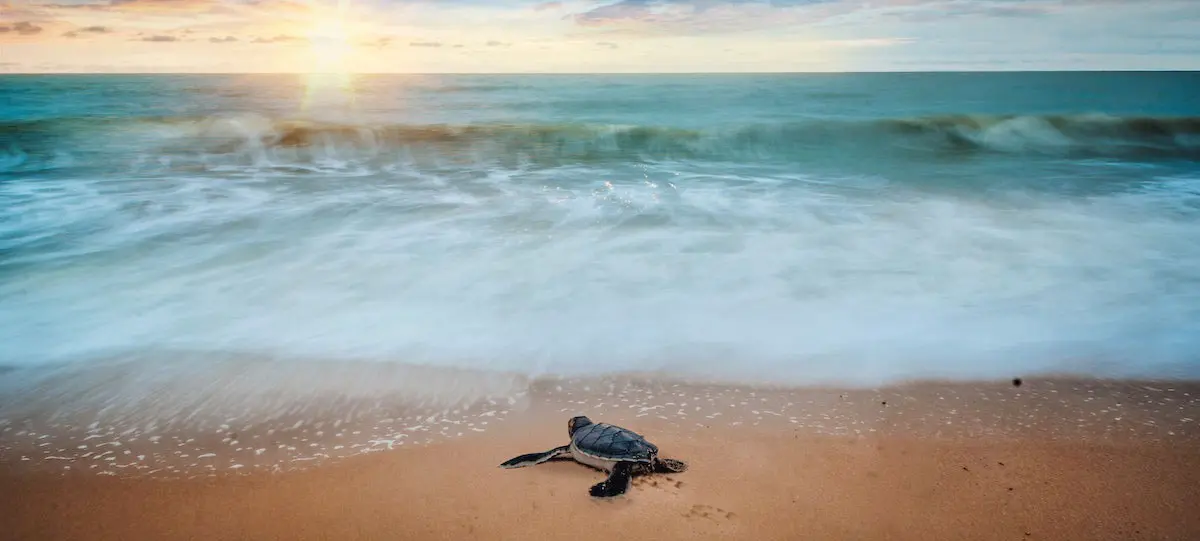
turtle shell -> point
(613, 443)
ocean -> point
(784, 228)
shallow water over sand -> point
(113, 421)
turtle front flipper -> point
(669, 465)
(617, 482)
(533, 459)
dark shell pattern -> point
(612, 442)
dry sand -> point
(1049, 460)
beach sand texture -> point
(1051, 459)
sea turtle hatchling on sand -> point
(621, 452)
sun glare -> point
(331, 44)
(331, 40)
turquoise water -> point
(849, 227)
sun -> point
(331, 39)
(331, 44)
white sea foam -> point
(788, 229)
(732, 271)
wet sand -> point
(1051, 459)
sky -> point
(490, 36)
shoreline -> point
(302, 432)
(745, 482)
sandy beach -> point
(1051, 459)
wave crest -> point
(1083, 135)
(929, 137)
(1088, 134)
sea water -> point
(799, 228)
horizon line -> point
(817, 72)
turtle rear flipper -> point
(617, 482)
(669, 465)
(533, 459)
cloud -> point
(173, 8)
(934, 10)
(708, 16)
(494, 43)
(378, 43)
(277, 39)
(714, 16)
(160, 39)
(607, 44)
(24, 28)
(162, 6)
(88, 30)
(546, 6)
(625, 10)
(425, 44)
(226, 39)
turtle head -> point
(576, 423)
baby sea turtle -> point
(621, 452)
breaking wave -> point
(1087, 136)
